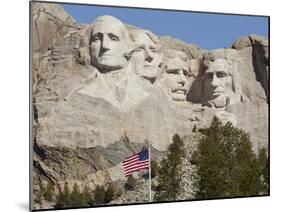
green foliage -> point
(170, 172)
(131, 183)
(176, 148)
(85, 198)
(117, 191)
(49, 192)
(154, 168)
(264, 163)
(39, 195)
(76, 198)
(88, 196)
(45, 193)
(110, 193)
(62, 199)
(99, 195)
(194, 129)
(227, 166)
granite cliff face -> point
(90, 113)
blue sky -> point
(208, 31)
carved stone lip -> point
(179, 90)
(148, 66)
(106, 55)
(217, 92)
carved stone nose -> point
(181, 82)
(105, 44)
(214, 82)
(149, 59)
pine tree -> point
(154, 168)
(227, 166)
(109, 194)
(76, 198)
(99, 195)
(88, 196)
(39, 195)
(210, 162)
(62, 199)
(264, 163)
(170, 172)
(131, 183)
(194, 129)
(49, 192)
(248, 169)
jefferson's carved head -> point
(175, 74)
(221, 79)
(109, 44)
(146, 54)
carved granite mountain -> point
(89, 116)
(50, 22)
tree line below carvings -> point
(226, 166)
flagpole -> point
(150, 198)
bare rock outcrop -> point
(50, 22)
(253, 50)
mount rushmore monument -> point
(94, 85)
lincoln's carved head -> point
(109, 44)
(221, 79)
(146, 55)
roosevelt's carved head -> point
(109, 44)
(221, 78)
(146, 55)
(175, 74)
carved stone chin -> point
(122, 90)
(218, 102)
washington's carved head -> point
(146, 55)
(109, 44)
(221, 80)
(175, 74)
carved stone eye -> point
(220, 74)
(210, 76)
(185, 72)
(96, 38)
(114, 37)
(173, 71)
(139, 49)
(152, 49)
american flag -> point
(136, 162)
